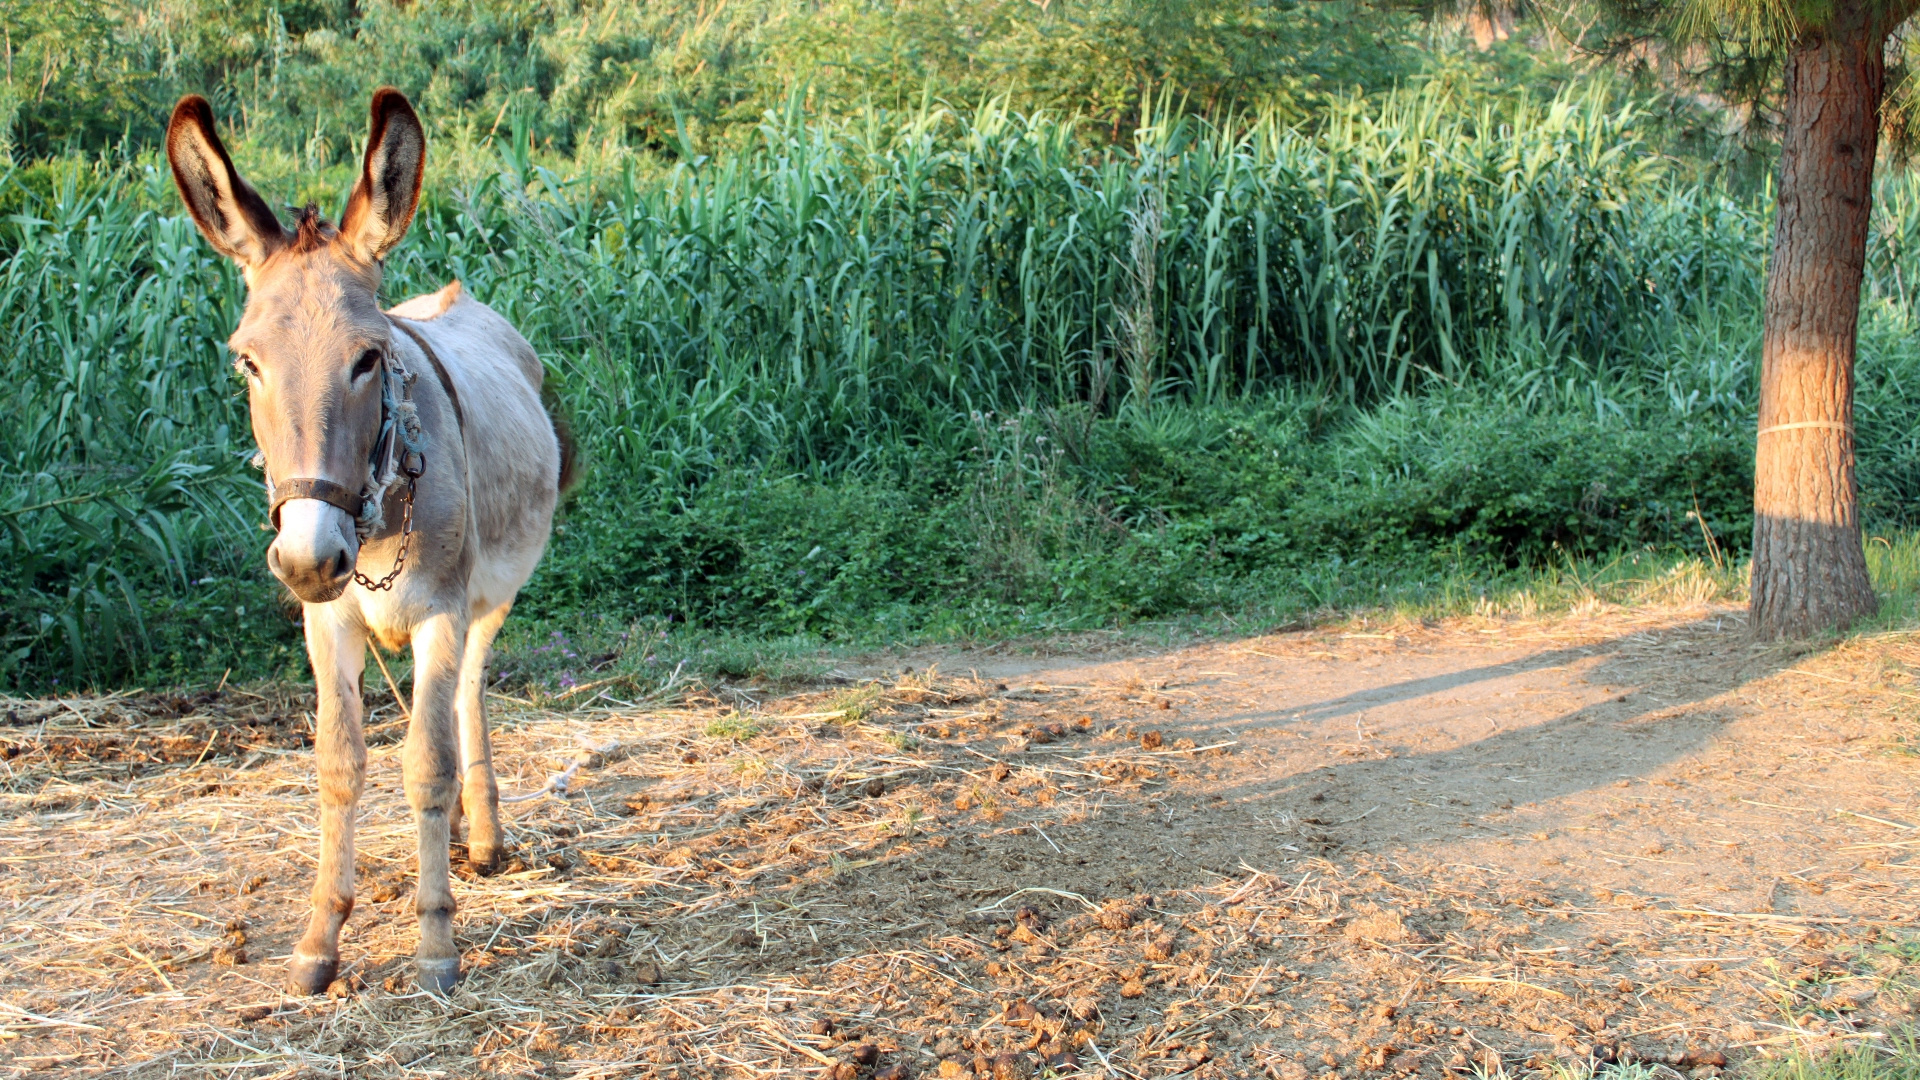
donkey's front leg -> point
(336, 646)
(430, 767)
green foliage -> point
(122, 480)
(598, 76)
(928, 374)
(1900, 1060)
(837, 289)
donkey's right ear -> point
(231, 215)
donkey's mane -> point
(312, 233)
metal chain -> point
(406, 540)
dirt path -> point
(1362, 851)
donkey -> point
(411, 474)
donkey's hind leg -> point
(336, 645)
(479, 788)
(429, 764)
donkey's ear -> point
(382, 204)
(231, 215)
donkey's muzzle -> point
(315, 550)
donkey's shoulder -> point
(470, 328)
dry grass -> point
(919, 875)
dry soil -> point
(1366, 850)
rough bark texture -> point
(1809, 570)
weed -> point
(854, 705)
(736, 726)
(1898, 1060)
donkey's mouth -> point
(315, 551)
(315, 585)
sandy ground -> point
(1624, 834)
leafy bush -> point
(936, 374)
(595, 77)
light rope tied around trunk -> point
(1838, 425)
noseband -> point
(400, 450)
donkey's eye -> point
(365, 365)
(246, 366)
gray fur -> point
(482, 510)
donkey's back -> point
(515, 456)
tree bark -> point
(1809, 568)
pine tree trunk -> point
(1809, 570)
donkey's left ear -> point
(382, 204)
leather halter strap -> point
(306, 487)
(439, 369)
(354, 503)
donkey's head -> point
(312, 341)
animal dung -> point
(1009, 1066)
(1151, 740)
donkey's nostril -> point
(342, 565)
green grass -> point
(938, 377)
(1893, 560)
(734, 726)
(1899, 1060)
(1896, 1058)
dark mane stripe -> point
(313, 232)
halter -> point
(400, 450)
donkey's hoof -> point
(485, 859)
(311, 974)
(437, 976)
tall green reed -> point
(120, 472)
(839, 287)
(850, 295)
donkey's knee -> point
(341, 785)
(428, 794)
